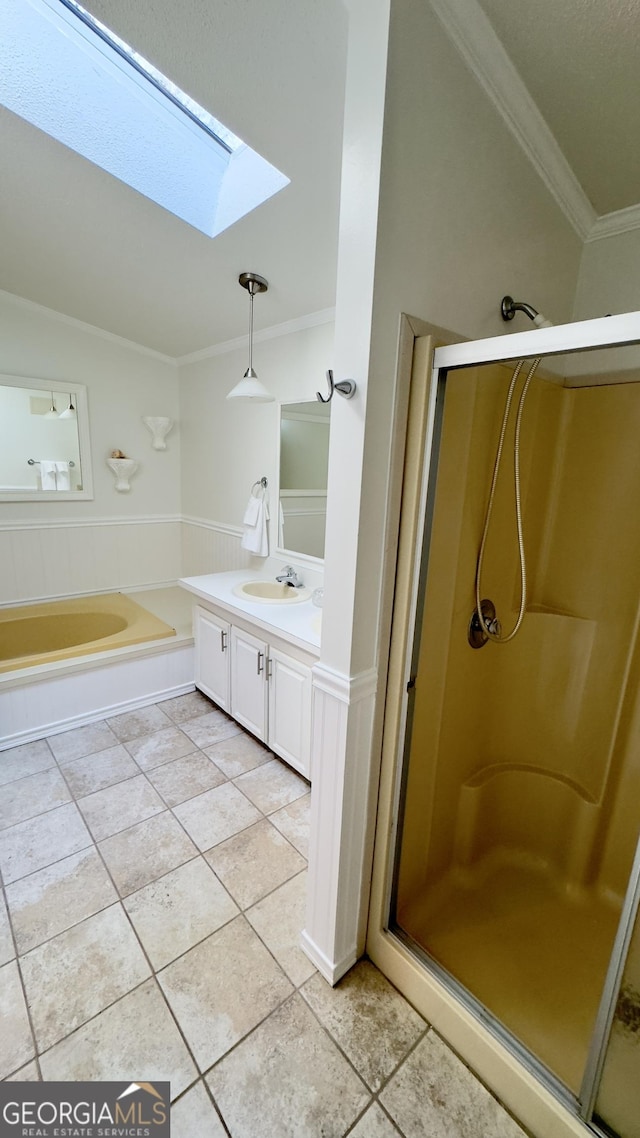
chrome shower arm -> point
(509, 307)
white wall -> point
(227, 446)
(463, 220)
(608, 284)
(609, 280)
(116, 540)
(449, 218)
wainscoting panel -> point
(209, 547)
(341, 817)
(42, 561)
(51, 703)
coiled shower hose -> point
(492, 628)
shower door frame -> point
(385, 946)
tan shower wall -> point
(536, 741)
(620, 818)
(451, 719)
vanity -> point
(256, 642)
(257, 637)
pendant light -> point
(52, 413)
(250, 388)
(70, 412)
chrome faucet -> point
(290, 577)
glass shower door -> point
(520, 809)
(617, 1102)
(518, 802)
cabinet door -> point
(248, 682)
(212, 656)
(290, 710)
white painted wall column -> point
(344, 681)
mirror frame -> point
(79, 391)
(278, 549)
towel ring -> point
(260, 482)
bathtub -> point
(128, 651)
(37, 634)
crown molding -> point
(90, 329)
(612, 224)
(312, 320)
(471, 32)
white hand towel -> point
(48, 474)
(63, 479)
(255, 538)
(252, 512)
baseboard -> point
(94, 716)
(331, 971)
(55, 703)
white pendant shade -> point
(70, 412)
(251, 389)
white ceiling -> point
(75, 239)
(78, 241)
(580, 60)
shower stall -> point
(514, 876)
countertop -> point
(299, 623)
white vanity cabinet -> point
(213, 675)
(289, 683)
(249, 692)
(263, 682)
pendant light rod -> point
(250, 387)
(251, 293)
(253, 284)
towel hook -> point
(346, 387)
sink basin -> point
(271, 593)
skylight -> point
(69, 75)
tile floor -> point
(153, 870)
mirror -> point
(304, 460)
(45, 441)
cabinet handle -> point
(223, 640)
(269, 667)
(260, 663)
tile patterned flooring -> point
(153, 870)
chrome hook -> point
(346, 387)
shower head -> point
(509, 307)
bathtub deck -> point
(173, 605)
